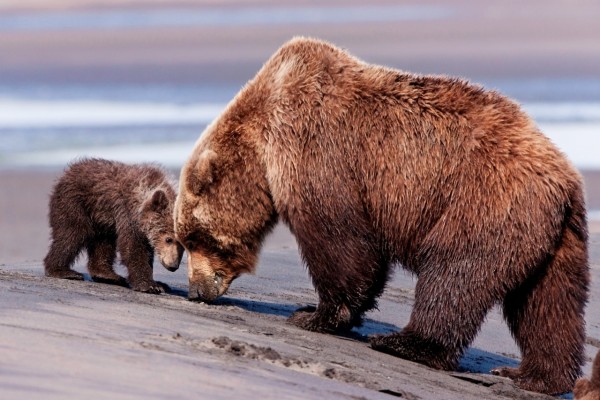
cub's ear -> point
(157, 202)
(204, 173)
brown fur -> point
(589, 389)
(105, 206)
(370, 167)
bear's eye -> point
(169, 240)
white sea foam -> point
(168, 154)
(18, 113)
(25, 113)
(564, 111)
(573, 127)
(580, 142)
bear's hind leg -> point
(101, 257)
(449, 309)
(57, 263)
(546, 317)
(64, 249)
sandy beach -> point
(71, 340)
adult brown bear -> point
(371, 167)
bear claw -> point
(410, 346)
(533, 384)
(310, 319)
(307, 318)
(151, 287)
(303, 319)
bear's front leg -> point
(137, 256)
(142, 281)
(348, 274)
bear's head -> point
(224, 207)
(156, 221)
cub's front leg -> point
(137, 255)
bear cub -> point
(106, 206)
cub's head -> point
(157, 224)
(222, 214)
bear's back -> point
(109, 190)
(408, 149)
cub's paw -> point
(390, 344)
(111, 280)
(166, 288)
(66, 274)
(542, 385)
(150, 287)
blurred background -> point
(138, 80)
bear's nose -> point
(200, 291)
(194, 293)
(170, 262)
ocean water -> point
(49, 128)
(48, 125)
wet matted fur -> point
(371, 167)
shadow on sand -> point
(474, 360)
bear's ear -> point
(157, 202)
(204, 173)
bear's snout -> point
(203, 291)
(170, 258)
(170, 265)
(206, 283)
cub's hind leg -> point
(70, 233)
(101, 257)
